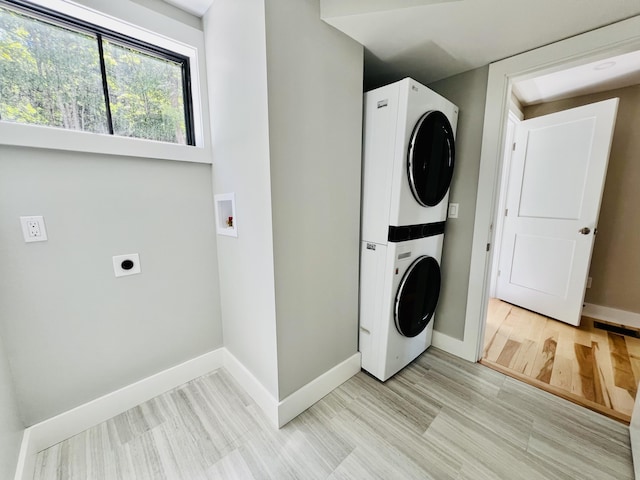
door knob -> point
(585, 231)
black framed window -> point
(62, 72)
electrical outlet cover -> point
(33, 229)
(128, 264)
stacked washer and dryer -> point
(408, 161)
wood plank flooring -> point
(440, 418)
(589, 366)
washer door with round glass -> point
(430, 158)
(417, 296)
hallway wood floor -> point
(440, 418)
(589, 366)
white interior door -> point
(553, 200)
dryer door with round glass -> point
(417, 296)
(430, 158)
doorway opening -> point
(589, 365)
(594, 361)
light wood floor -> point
(440, 418)
(593, 367)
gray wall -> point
(286, 138)
(468, 91)
(237, 71)
(11, 427)
(170, 11)
(74, 332)
(315, 126)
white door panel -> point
(555, 189)
(553, 185)
(537, 262)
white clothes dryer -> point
(399, 290)
(408, 157)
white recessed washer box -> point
(128, 264)
(226, 220)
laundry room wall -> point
(468, 91)
(315, 122)
(168, 10)
(72, 330)
(286, 139)
(237, 69)
(615, 264)
(11, 427)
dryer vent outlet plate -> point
(128, 264)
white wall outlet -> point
(33, 229)
(589, 280)
(453, 210)
(128, 264)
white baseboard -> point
(301, 399)
(456, 347)
(25, 468)
(252, 386)
(280, 413)
(56, 429)
(613, 315)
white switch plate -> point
(119, 260)
(33, 229)
(453, 210)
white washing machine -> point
(408, 157)
(399, 290)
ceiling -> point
(434, 39)
(615, 72)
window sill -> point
(35, 136)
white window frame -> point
(110, 16)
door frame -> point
(616, 39)
(514, 117)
